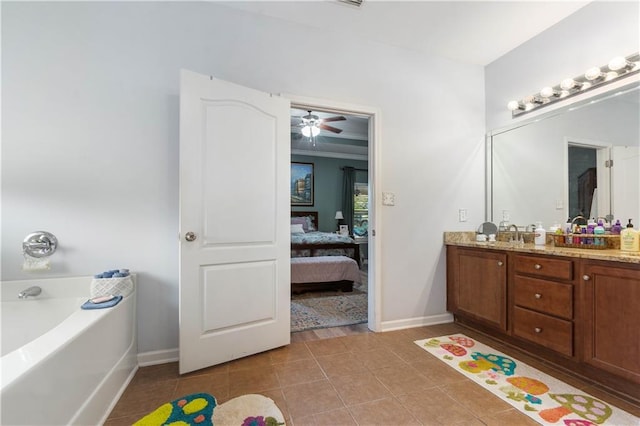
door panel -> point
(234, 198)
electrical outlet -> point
(462, 215)
(388, 199)
(506, 216)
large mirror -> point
(582, 160)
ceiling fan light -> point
(306, 131)
(315, 131)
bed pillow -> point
(302, 221)
(297, 228)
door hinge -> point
(373, 232)
(608, 163)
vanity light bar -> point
(617, 68)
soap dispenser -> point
(540, 235)
(629, 239)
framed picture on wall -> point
(302, 184)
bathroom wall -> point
(90, 138)
(590, 37)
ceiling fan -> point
(311, 124)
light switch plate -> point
(388, 199)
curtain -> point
(348, 185)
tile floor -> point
(346, 376)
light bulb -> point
(610, 76)
(547, 92)
(306, 131)
(585, 85)
(513, 105)
(593, 74)
(315, 131)
(564, 93)
(569, 83)
(617, 63)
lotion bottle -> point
(629, 239)
(540, 235)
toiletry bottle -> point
(616, 228)
(590, 228)
(540, 235)
(598, 231)
(629, 239)
(568, 231)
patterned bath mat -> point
(201, 409)
(328, 309)
(541, 397)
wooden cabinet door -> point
(480, 286)
(611, 297)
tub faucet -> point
(31, 291)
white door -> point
(625, 176)
(234, 200)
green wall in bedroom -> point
(328, 186)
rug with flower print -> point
(543, 398)
(201, 409)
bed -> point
(321, 260)
(310, 242)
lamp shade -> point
(339, 215)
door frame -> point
(374, 245)
(604, 179)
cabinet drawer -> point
(554, 333)
(544, 267)
(544, 296)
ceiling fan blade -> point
(329, 128)
(336, 118)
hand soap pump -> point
(540, 238)
(629, 239)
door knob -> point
(538, 295)
(538, 266)
(537, 330)
(190, 236)
(500, 263)
(586, 277)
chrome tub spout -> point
(31, 291)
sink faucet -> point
(31, 291)
(517, 234)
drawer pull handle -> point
(500, 263)
(586, 277)
(537, 330)
(537, 266)
(538, 295)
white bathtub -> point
(61, 364)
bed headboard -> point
(312, 215)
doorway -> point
(588, 179)
(349, 142)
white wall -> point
(90, 138)
(590, 37)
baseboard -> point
(158, 357)
(415, 322)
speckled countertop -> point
(468, 239)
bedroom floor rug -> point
(311, 311)
(541, 397)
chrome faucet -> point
(31, 291)
(517, 234)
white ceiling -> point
(476, 32)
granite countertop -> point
(468, 239)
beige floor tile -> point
(380, 358)
(385, 412)
(326, 347)
(311, 398)
(292, 352)
(340, 417)
(359, 388)
(431, 367)
(410, 352)
(296, 372)
(156, 373)
(213, 384)
(341, 364)
(433, 406)
(142, 398)
(252, 380)
(510, 417)
(362, 342)
(402, 380)
(261, 360)
(480, 401)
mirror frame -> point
(631, 82)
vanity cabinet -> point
(479, 285)
(542, 302)
(578, 313)
(611, 299)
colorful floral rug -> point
(543, 398)
(327, 309)
(201, 409)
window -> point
(361, 210)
